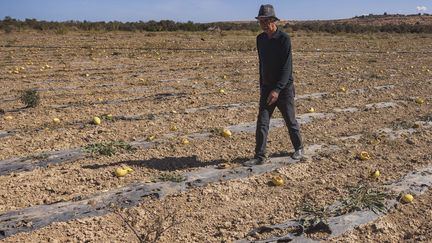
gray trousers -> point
(286, 106)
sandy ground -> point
(82, 75)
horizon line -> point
(218, 21)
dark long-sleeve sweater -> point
(275, 62)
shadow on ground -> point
(164, 164)
(176, 163)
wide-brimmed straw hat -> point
(267, 11)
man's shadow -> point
(165, 164)
(175, 163)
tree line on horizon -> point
(9, 25)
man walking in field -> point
(276, 84)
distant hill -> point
(377, 20)
(396, 23)
(371, 20)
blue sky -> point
(201, 11)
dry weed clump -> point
(148, 224)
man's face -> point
(267, 24)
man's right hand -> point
(273, 97)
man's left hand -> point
(272, 98)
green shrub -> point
(30, 98)
(109, 149)
(172, 177)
